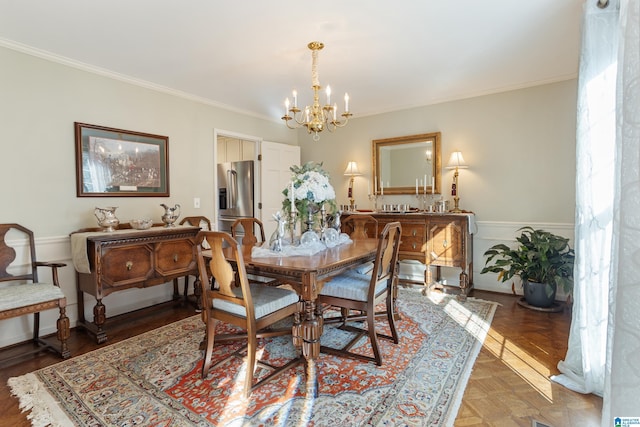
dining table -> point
(306, 274)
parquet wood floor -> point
(509, 385)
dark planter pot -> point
(539, 294)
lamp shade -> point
(352, 169)
(457, 161)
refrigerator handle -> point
(232, 194)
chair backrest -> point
(225, 276)
(197, 221)
(356, 226)
(19, 234)
(248, 225)
(385, 266)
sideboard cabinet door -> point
(445, 243)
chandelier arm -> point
(346, 116)
(299, 118)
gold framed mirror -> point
(406, 164)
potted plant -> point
(542, 260)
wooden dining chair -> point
(22, 293)
(356, 290)
(356, 226)
(248, 227)
(250, 231)
(253, 307)
(205, 224)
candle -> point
(292, 198)
(346, 102)
(335, 112)
(286, 106)
(369, 187)
(416, 186)
(433, 185)
(425, 184)
(328, 95)
(381, 188)
(295, 99)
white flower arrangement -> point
(311, 189)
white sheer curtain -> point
(622, 387)
(584, 366)
(604, 339)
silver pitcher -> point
(107, 218)
(170, 214)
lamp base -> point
(456, 207)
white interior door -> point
(274, 176)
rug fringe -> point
(43, 409)
(485, 301)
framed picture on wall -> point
(120, 163)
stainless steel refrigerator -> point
(235, 192)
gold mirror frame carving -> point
(384, 165)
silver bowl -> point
(141, 224)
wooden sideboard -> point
(127, 259)
(435, 239)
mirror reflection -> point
(407, 164)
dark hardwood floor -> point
(509, 385)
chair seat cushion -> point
(351, 285)
(266, 300)
(26, 294)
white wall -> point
(520, 147)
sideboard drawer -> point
(124, 265)
(175, 256)
(413, 237)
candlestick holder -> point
(323, 222)
(292, 226)
(422, 199)
(374, 199)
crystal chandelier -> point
(315, 118)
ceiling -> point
(248, 56)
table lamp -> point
(352, 171)
(456, 161)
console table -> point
(108, 262)
(435, 239)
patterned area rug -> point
(154, 379)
